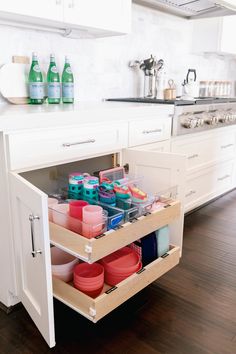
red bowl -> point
(87, 273)
(89, 286)
(124, 260)
(114, 279)
(91, 293)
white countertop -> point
(17, 117)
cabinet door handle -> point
(31, 219)
(226, 146)
(89, 141)
(190, 193)
(193, 156)
(222, 178)
(152, 131)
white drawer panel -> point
(209, 183)
(149, 131)
(49, 146)
(206, 149)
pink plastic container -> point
(62, 264)
(93, 221)
(76, 207)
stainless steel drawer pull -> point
(152, 131)
(193, 156)
(190, 193)
(226, 146)
(89, 141)
(222, 178)
(31, 219)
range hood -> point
(191, 9)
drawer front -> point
(112, 297)
(210, 183)
(207, 149)
(149, 131)
(43, 147)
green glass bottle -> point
(53, 81)
(36, 89)
(67, 83)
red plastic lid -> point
(122, 259)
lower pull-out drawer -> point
(90, 250)
(112, 297)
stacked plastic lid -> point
(120, 265)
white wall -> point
(101, 65)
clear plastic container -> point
(61, 217)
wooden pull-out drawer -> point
(112, 297)
(90, 250)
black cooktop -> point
(177, 102)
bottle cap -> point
(67, 59)
(34, 55)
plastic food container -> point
(62, 264)
(120, 265)
(89, 278)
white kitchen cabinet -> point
(29, 187)
(45, 9)
(207, 148)
(149, 131)
(90, 18)
(108, 15)
(209, 183)
(211, 158)
(214, 35)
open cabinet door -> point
(31, 234)
(160, 171)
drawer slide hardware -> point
(111, 289)
(140, 270)
(34, 252)
(89, 141)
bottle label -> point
(36, 90)
(68, 90)
(54, 90)
(36, 68)
(54, 69)
(68, 70)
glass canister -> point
(203, 89)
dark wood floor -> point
(190, 310)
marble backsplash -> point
(101, 66)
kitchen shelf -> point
(91, 250)
(112, 297)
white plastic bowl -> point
(62, 264)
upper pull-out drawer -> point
(33, 148)
(149, 130)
